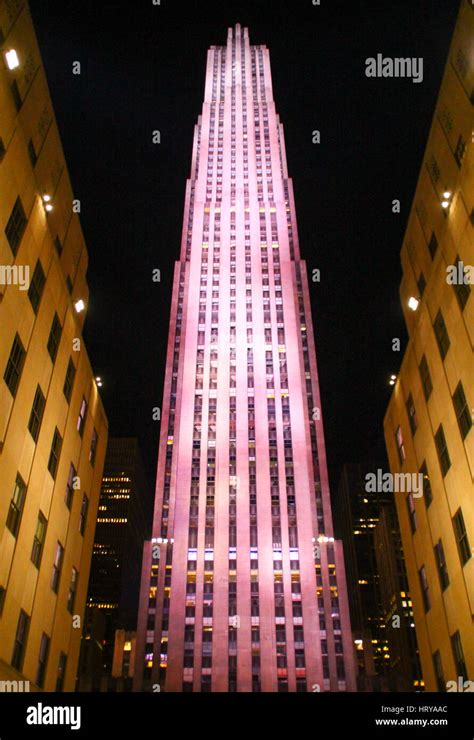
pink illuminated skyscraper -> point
(243, 586)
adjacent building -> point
(402, 663)
(53, 430)
(116, 559)
(428, 424)
(379, 598)
(357, 514)
(243, 584)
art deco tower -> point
(243, 586)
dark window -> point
(458, 654)
(433, 245)
(442, 566)
(425, 590)
(16, 95)
(461, 537)
(20, 640)
(54, 337)
(35, 291)
(42, 660)
(71, 597)
(412, 414)
(427, 490)
(16, 226)
(93, 450)
(442, 449)
(411, 512)
(38, 540)
(463, 413)
(421, 284)
(61, 672)
(36, 415)
(69, 284)
(69, 380)
(55, 453)
(32, 153)
(461, 288)
(70, 486)
(83, 514)
(16, 506)
(58, 246)
(438, 667)
(14, 365)
(425, 378)
(460, 150)
(57, 565)
(81, 421)
(2, 149)
(441, 333)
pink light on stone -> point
(243, 585)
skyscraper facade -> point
(429, 420)
(243, 584)
(53, 428)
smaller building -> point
(123, 665)
(385, 647)
(402, 664)
(116, 560)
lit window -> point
(11, 58)
(57, 565)
(38, 540)
(400, 445)
(81, 421)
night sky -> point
(143, 68)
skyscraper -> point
(428, 424)
(53, 429)
(243, 584)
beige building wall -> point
(441, 330)
(32, 165)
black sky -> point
(143, 68)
